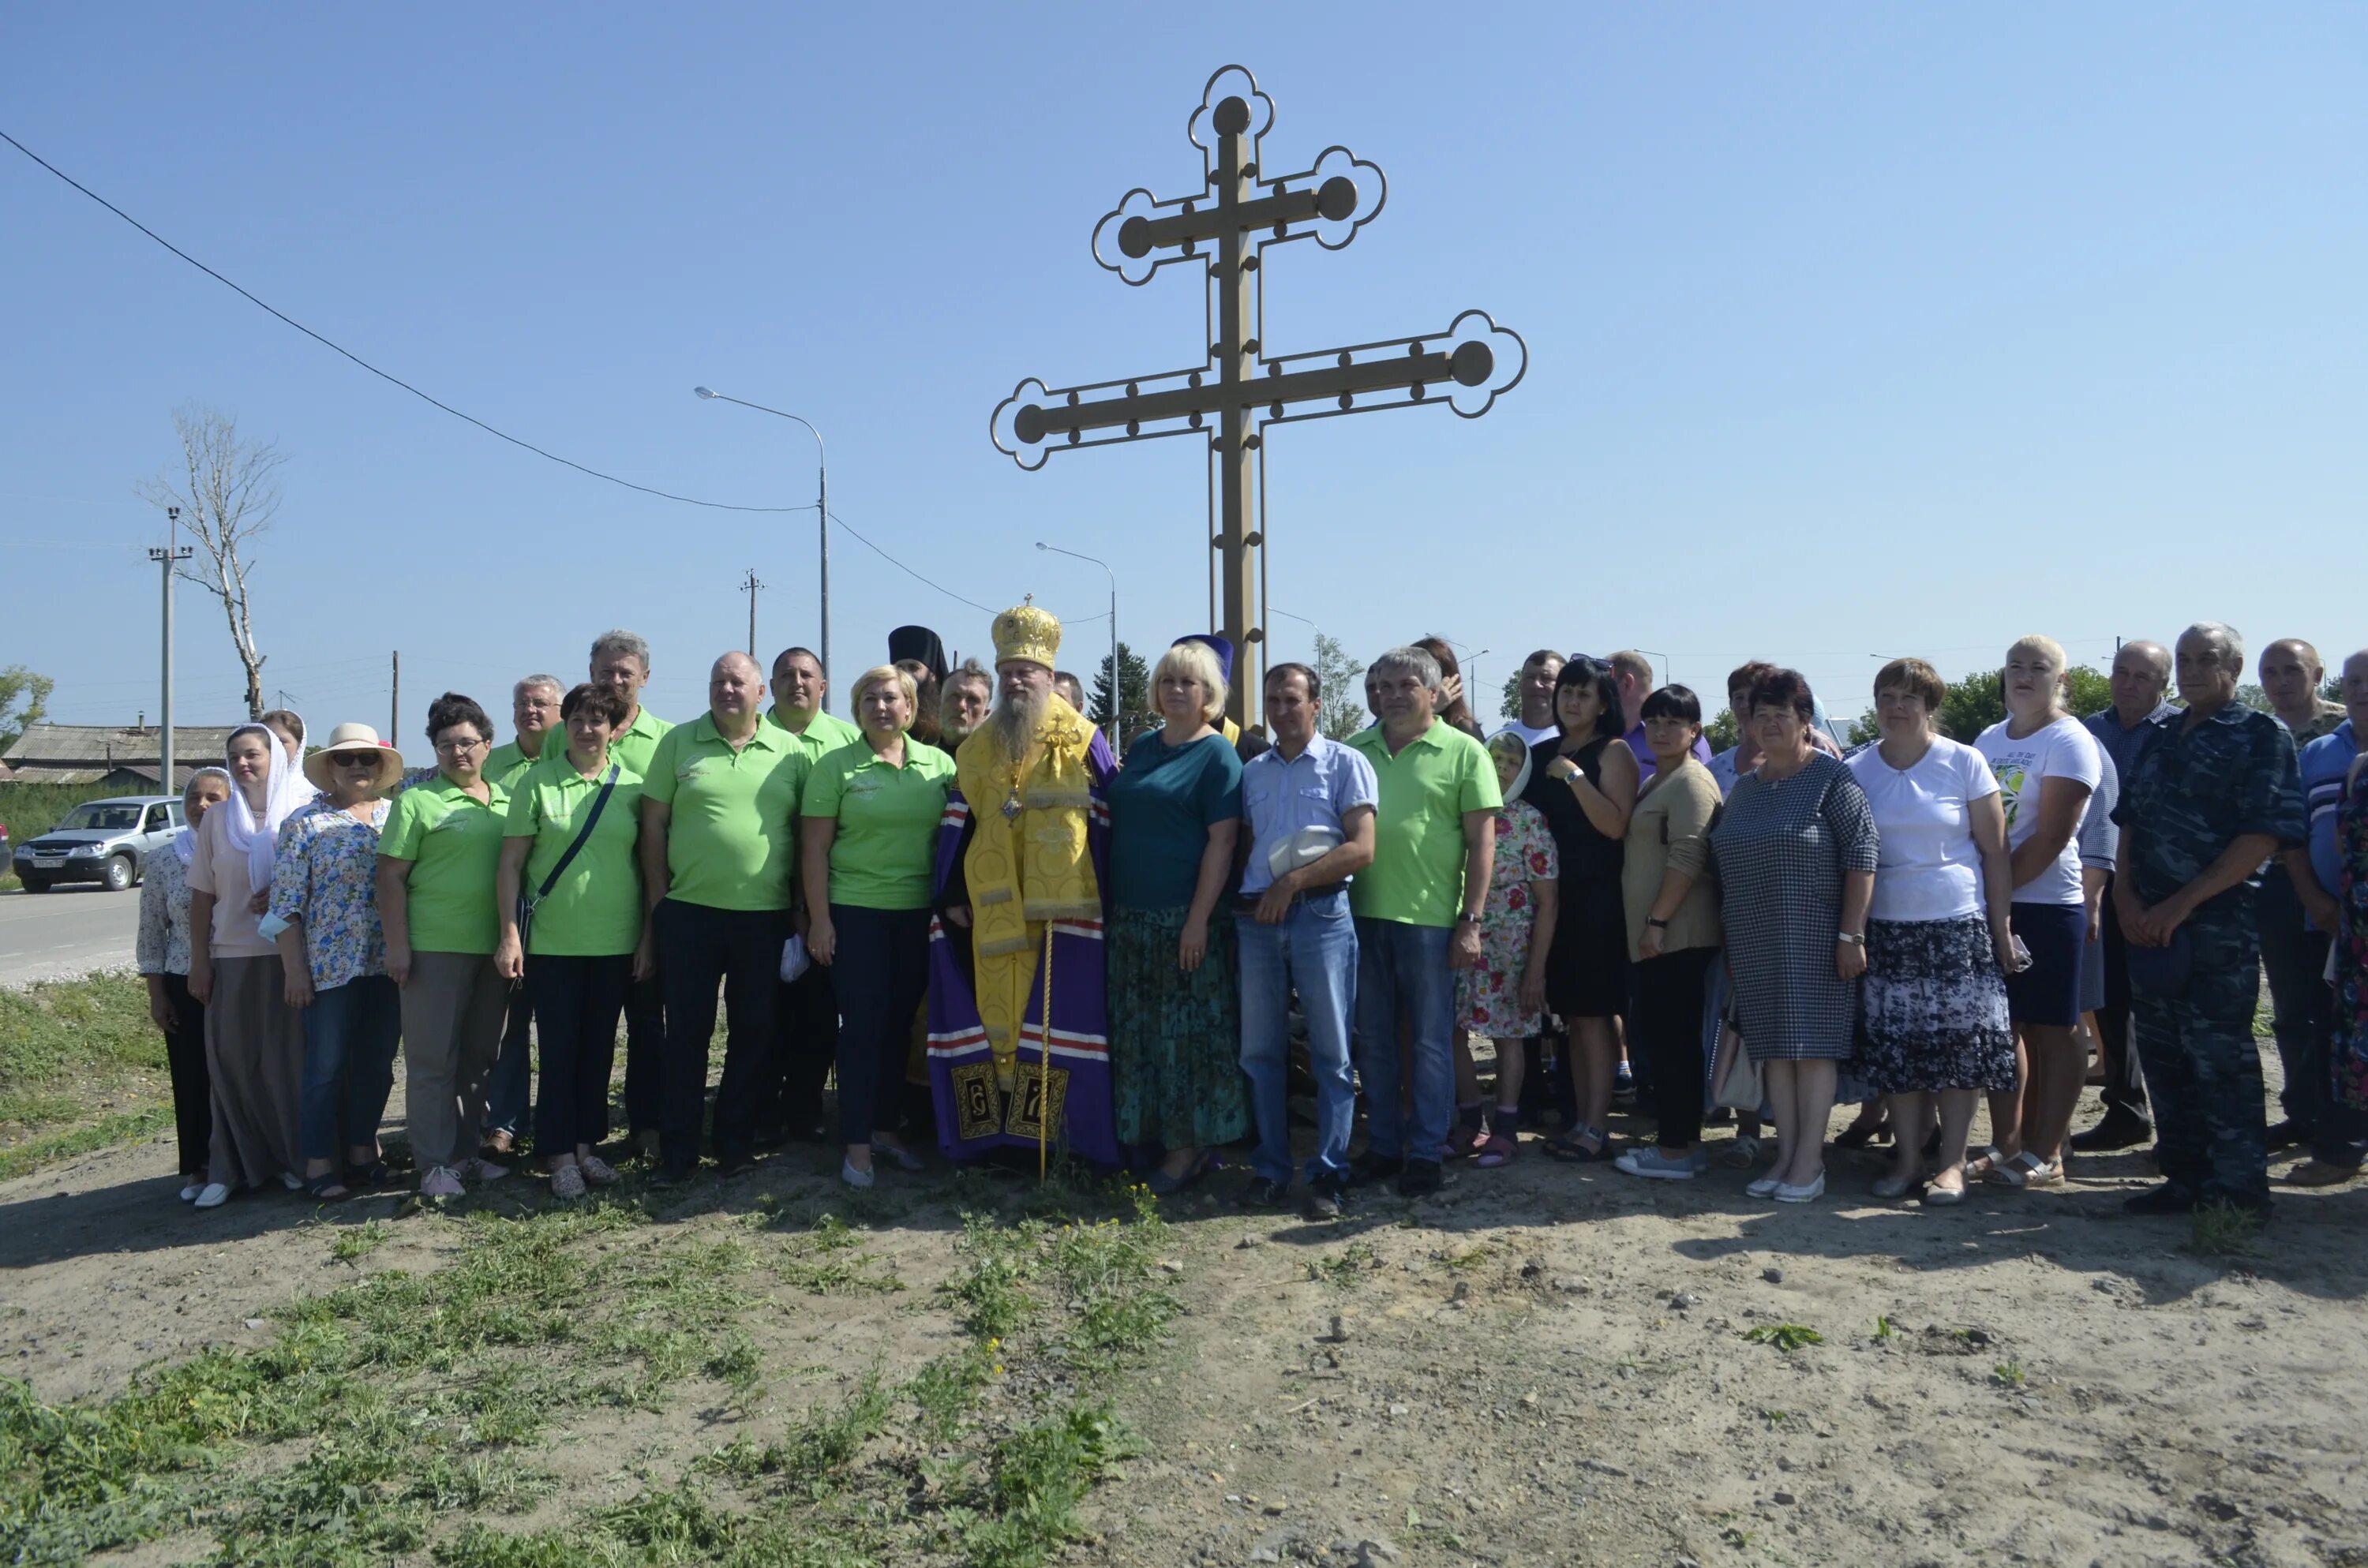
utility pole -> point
(170, 557)
(751, 584)
(394, 696)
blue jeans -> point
(506, 1093)
(351, 1032)
(1314, 950)
(1405, 966)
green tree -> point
(1343, 710)
(1976, 701)
(1721, 730)
(1135, 708)
(1509, 705)
(24, 701)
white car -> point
(107, 842)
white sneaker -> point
(214, 1195)
(1648, 1161)
(190, 1193)
(860, 1180)
(441, 1181)
(291, 1181)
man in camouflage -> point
(2216, 794)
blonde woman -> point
(1175, 1010)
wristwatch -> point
(1663, 925)
(1467, 919)
(1854, 939)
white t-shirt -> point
(1532, 733)
(1929, 868)
(2062, 749)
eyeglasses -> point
(355, 759)
(472, 744)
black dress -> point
(1586, 968)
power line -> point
(908, 572)
(373, 369)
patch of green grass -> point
(992, 1290)
(81, 1067)
(1786, 1336)
(355, 1243)
(2225, 1233)
(946, 1391)
(2009, 1374)
(1035, 1480)
(828, 1260)
(106, 1133)
(1884, 1328)
(1347, 1268)
(1775, 1418)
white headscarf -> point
(257, 838)
(185, 843)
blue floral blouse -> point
(325, 872)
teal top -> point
(1162, 805)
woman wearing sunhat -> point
(325, 922)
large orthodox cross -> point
(1239, 212)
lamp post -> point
(1117, 689)
(822, 504)
(1289, 615)
(1470, 666)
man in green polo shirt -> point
(1418, 908)
(621, 661)
(718, 853)
(805, 1013)
(534, 717)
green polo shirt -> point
(823, 733)
(732, 841)
(595, 909)
(454, 845)
(505, 764)
(1416, 877)
(637, 745)
(885, 853)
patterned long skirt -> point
(1936, 1013)
(1174, 1039)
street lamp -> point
(1303, 621)
(1470, 666)
(1118, 690)
(822, 504)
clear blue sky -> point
(1853, 329)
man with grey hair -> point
(2141, 676)
(1418, 908)
(2214, 795)
(534, 713)
(964, 699)
(2294, 945)
(621, 661)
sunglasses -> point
(355, 759)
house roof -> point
(91, 754)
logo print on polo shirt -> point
(688, 772)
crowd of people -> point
(997, 935)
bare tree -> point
(228, 495)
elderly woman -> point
(437, 864)
(1502, 997)
(1175, 1011)
(871, 816)
(2046, 764)
(333, 953)
(1938, 943)
(254, 1041)
(568, 892)
(164, 955)
(1673, 929)
(1795, 850)
(1584, 780)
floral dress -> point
(326, 872)
(1488, 994)
(2352, 952)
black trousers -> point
(645, 1050)
(576, 1002)
(700, 948)
(882, 966)
(2125, 1088)
(1669, 1018)
(805, 1041)
(193, 1094)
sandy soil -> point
(1541, 1365)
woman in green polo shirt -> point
(872, 813)
(435, 863)
(585, 940)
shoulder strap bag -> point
(527, 901)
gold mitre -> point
(1027, 632)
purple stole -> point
(973, 1112)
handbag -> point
(527, 901)
(2164, 970)
(1734, 1083)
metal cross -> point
(1240, 213)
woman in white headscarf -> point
(255, 1041)
(163, 950)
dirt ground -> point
(1543, 1364)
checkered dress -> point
(1781, 849)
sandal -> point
(2025, 1169)
(1498, 1151)
(1939, 1197)
(1742, 1153)
(327, 1188)
(1571, 1152)
(1464, 1140)
(1979, 1166)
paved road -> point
(66, 931)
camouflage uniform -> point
(2194, 792)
